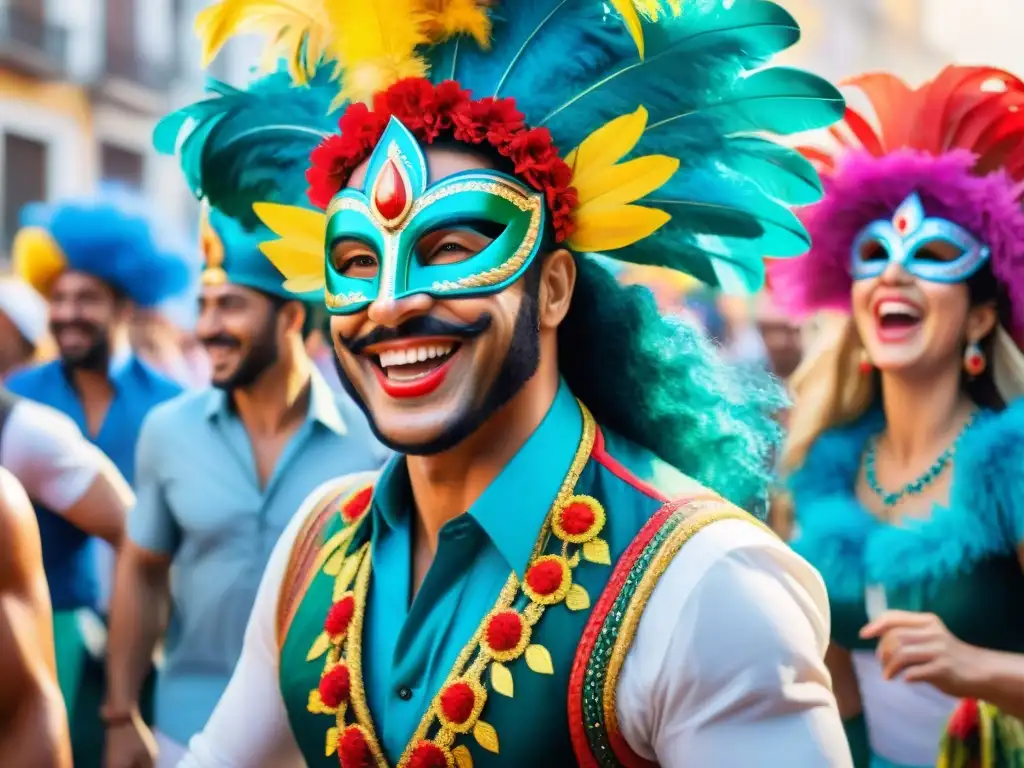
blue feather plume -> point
(117, 237)
(246, 146)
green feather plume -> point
(245, 146)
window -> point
(120, 37)
(120, 164)
(24, 180)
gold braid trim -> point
(298, 576)
(700, 513)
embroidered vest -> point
(536, 684)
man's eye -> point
(360, 265)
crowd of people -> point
(477, 450)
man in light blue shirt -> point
(219, 474)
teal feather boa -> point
(850, 547)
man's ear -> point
(292, 316)
(557, 281)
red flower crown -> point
(430, 111)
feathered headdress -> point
(666, 104)
(958, 141)
(113, 236)
(240, 147)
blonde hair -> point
(828, 387)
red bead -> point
(353, 751)
(577, 518)
(390, 195)
(334, 686)
(428, 755)
(504, 631)
(457, 701)
(340, 615)
(357, 505)
(965, 719)
(975, 364)
(545, 577)
(865, 366)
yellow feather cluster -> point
(373, 42)
(632, 10)
(299, 253)
(37, 258)
(606, 218)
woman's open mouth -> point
(896, 320)
(414, 371)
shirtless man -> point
(33, 724)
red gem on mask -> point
(901, 224)
(390, 195)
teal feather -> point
(245, 146)
(708, 101)
(688, 60)
(580, 35)
(782, 173)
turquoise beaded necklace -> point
(892, 498)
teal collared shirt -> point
(200, 502)
(411, 649)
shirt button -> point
(405, 693)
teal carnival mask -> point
(398, 206)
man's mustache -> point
(74, 325)
(424, 326)
(220, 340)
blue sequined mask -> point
(905, 238)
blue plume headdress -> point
(691, 76)
(114, 236)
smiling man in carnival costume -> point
(508, 591)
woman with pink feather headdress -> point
(906, 447)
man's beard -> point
(94, 358)
(517, 369)
(263, 353)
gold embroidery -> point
(704, 511)
(477, 657)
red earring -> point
(974, 360)
(864, 364)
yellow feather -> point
(290, 24)
(447, 18)
(306, 284)
(292, 262)
(607, 145)
(632, 10)
(303, 228)
(625, 183)
(632, 20)
(37, 258)
(375, 41)
(608, 230)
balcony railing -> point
(129, 63)
(28, 41)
